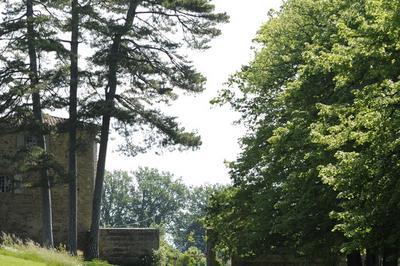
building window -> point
(30, 141)
(27, 140)
(11, 184)
(6, 184)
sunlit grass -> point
(12, 261)
(13, 248)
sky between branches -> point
(227, 54)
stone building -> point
(20, 202)
(21, 207)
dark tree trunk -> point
(47, 225)
(354, 259)
(141, 215)
(371, 258)
(72, 167)
(210, 246)
(92, 250)
(390, 256)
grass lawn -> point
(16, 252)
(12, 261)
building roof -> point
(62, 123)
(53, 120)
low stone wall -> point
(276, 260)
(128, 246)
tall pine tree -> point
(26, 85)
(137, 64)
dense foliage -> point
(168, 255)
(144, 198)
(318, 173)
(148, 197)
(188, 227)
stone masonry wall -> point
(128, 246)
(86, 165)
(277, 260)
(20, 213)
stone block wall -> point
(20, 213)
(128, 246)
(86, 164)
(277, 260)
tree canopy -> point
(318, 168)
(142, 198)
(148, 197)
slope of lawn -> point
(16, 252)
(11, 261)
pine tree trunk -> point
(92, 250)
(354, 259)
(47, 225)
(371, 259)
(72, 167)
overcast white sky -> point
(228, 53)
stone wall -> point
(276, 260)
(128, 246)
(86, 165)
(20, 213)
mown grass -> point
(11, 261)
(13, 250)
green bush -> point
(168, 255)
(192, 257)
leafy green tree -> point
(168, 255)
(279, 203)
(158, 197)
(117, 199)
(192, 257)
(148, 197)
(142, 199)
(317, 171)
(188, 225)
(363, 131)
